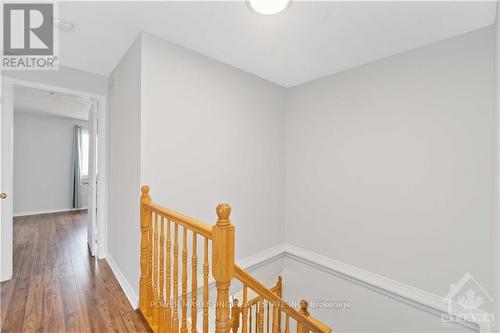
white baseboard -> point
(397, 290)
(132, 297)
(48, 211)
(262, 258)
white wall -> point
(390, 165)
(207, 133)
(369, 312)
(212, 133)
(495, 234)
(43, 155)
(124, 156)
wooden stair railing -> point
(166, 309)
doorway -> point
(53, 160)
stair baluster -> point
(275, 318)
(268, 312)
(250, 320)
(235, 316)
(150, 269)
(175, 298)
(184, 282)
(260, 317)
(145, 227)
(194, 284)
(161, 303)
(168, 313)
(244, 328)
(280, 294)
(156, 289)
(205, 286)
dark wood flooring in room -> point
(57, 286)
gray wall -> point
(213, 133)
(390, 165)
(370, 311)
(207, 133)
(43, 155)
(495, 234)
(124, 162)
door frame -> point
(7, 148)
(92, 231)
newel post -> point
(305, 313)
(223, 266)
(144, 297)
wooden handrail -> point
(197, 226)
(319, 324)
(261, 290)
(258, 298)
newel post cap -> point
(145, 194)
(303, 308)
(223, 212)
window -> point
(84, 167)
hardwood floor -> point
(57, 286)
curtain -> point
(77, 156)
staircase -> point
(168, 307)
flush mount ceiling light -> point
(268, 7)
(63, 24)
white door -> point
(6, 145)
(92, 177)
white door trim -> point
(7, 165)
(92, 178)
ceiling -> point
(43, 102)
(307, 41)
